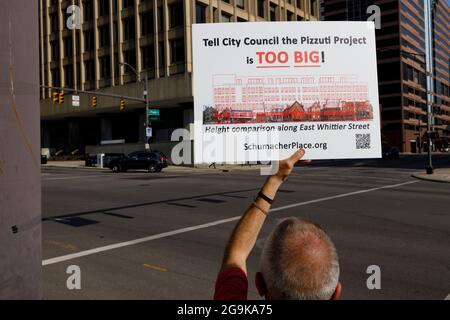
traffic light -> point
(55, 97)
(94, 102)
(122, 104)
(61, 98)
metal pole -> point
(147, 123)
(429, 168)
(138, 77)
(20, 183)
(95, 93)
(429, 84)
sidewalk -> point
(439, 175)
(170, 168)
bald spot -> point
(307, 257)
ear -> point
(260, 284)
(337, 292)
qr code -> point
(363, 141)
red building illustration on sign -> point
(288, 99)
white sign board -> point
(75, 101)
(263, 90)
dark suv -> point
(152, 161)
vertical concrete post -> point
(20, 185)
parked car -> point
(391, 153)
(152, 161)
(91, 159)
(110, 157)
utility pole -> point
(20, 168)
(147, 123)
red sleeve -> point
(231, 284)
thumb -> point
(296, 156)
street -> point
(138, 235)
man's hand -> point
(285, 166)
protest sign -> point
(263, 90)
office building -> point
(414, 37)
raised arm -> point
(246, 232)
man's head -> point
(299, 261)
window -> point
(261, 4)
(88, 10)
(78, 70)
(289, 16)
(68, 76)
(148, 57)
(128, 3)
(68, 48)
(54, 47)
(89, 70)
(162, 54)
(225, 18)
(273, 13)
(129, 57)
(240, 4)
(77, 43)
(128, 28)
(54, 23)
(313, 7)
(176, 15)
(89, 40)
(103, 34)
(103, 8)
(147, 23)
(200, 13)
(160, 19)
(105, 67)
(114, 6)
(176, 51)
(56, 79)
(116, 67)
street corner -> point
(439, 175)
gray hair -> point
(299, 262)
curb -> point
(424, 177)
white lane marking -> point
(203, 226)
(136, 241)
(342, 177)
(340, 196)
(73, 177)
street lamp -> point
(138, 78)
(429, 168)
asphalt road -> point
(375, 212)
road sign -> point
(153, 115)
(153, 112)
(149, 132)
(75, 101)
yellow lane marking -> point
(151, 266)
(62, 244)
